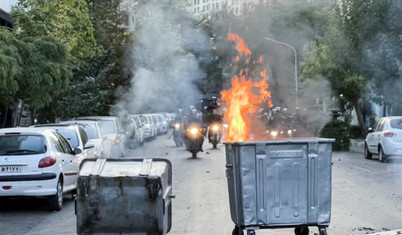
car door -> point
(61, 149)
(376, 136)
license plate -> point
(10, 169)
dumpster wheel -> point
(322, 230)
(237, 231)
(302, 230)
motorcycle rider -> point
(194, 118)
(212, 115)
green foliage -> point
(9, 67)
(66, 21)
(32, 69)
(355, 132)
(340, 131)
(89, 93)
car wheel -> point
(381, 156)
(367, 153)
(55, 202)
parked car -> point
(164, 123)
(149, 127)
(75, 136)
(385, 139)
(96, 136)
(158, 124)
(134, 132)
(37, 162)
(113, 132)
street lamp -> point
(294, 50)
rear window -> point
(91, 131)
(144, 120)
(70, 135)
(396, 123)
(22, 144)
(108, 126)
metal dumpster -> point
(279, 183)
(124, 196)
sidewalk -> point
(357, 145)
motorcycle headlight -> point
(289, 132)
(193, 131)
(215, 127)
(274, 133)
(177, 125)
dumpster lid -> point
(283, 141)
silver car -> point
(385, 139)
(113, 132)
(96, 136)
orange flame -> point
(245, 96)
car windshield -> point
(144, 120)
(108, 126)
(70, 135)
(396, 123)
(22, 144)
(91, 131)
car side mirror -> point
(89, 146)
(77, 151)
(370, 129)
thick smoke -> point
(165, 68)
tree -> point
(10, 66)
(35, 68)
(66, 21)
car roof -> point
(57, 125)
(93, 118)
(25, 130)
(78, 122)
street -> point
(366, 196)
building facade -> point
(235, 6)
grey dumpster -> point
(124, 196)
(279, 183)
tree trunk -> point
(359, 115)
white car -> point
(113, 132)
(75, 136)
(385, 139)
(37, 162)
(150, 130)
(134, 132)
(95, 135)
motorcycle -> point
(214, 134)
(194, 138)
(178, 134)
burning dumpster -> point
(124, 196)
(279, 183)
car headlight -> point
(177, 125)
(193, 131)
(289, 132)
(274, 133)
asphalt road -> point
(366, 196)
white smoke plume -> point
(165, 67)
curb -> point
(357, 145)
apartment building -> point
(235, 6)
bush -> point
(355, 132)
(340, 131)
